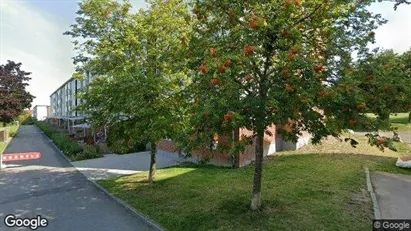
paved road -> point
(53, 188)
(405, 136)
(393, 194)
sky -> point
(31, 32)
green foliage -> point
(13, 133)
(317, 192)
(120, 144)
(3, 146)
(14, 97)
(48, 129)
(139, 60)
(278, 63)
(65, 144)
(69, 147)
(385, 84)
(287, 63)
(12, 128)
(25, 118)
(89, 152)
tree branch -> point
(309, 15)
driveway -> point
(53, 188)
(113, 165)
(393, 194)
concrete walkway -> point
(393, 194)
(52, 188)
(113, 165)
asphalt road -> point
(393, 194)
(53, 188)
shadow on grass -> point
(307, 190)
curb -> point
(147, 220)
(377, 213)
(141, 216)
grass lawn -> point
(2, 147)
(309, 192)
(334, 146)
(13, 128)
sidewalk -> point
(52, 188)
(393, 194)
(113, 165)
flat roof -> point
(69, 80)
(41, 106)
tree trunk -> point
(409, 117)
(152, 173)
(259, 155)
(384, 123)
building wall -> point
(248, 155)
(64, 100)
(201, 154)
(272, 144)
(40, 112)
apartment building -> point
(41, 112)
(64, 100)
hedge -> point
(71, 148)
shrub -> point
(12, 133)
(49, 130)
(66, 145)
(25, 118)
(89, 152)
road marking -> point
(21, 156)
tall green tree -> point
(14, 97)
(258, 63)
(138, 58)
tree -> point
(397, 2)
(406, 64)
(140, 67)
(14, 97)
(258, 63)
(385, 84)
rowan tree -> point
(385, 84)
(258, 63)
(14, 97)
(141, 72)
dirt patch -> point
(360, 201)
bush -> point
(12, 133)
(66, 145)
(119, 143)
(25, 118)
(122, 147)
(49, 130)
(89, 152)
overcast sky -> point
(31, 33)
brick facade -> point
(272, 144)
